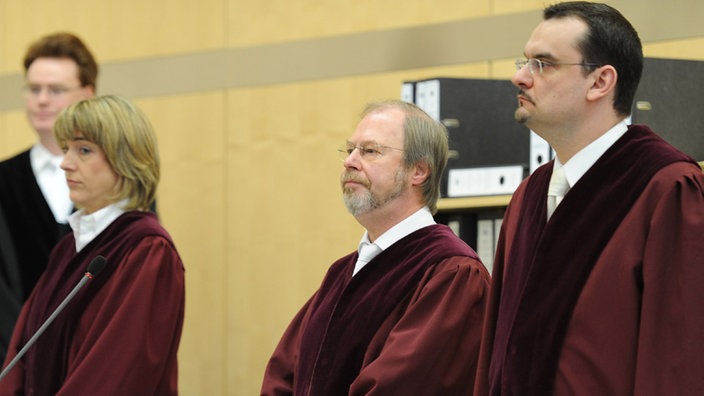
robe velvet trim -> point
(550, 265)
(347, 311)
(48, 374)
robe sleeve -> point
(279, 373)
(671, 338)
(433, 348)
(126, 342)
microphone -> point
(96, 265)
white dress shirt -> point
(87, 226)
(52, 181)
(368, 250)
(580, 163)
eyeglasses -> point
(52, 91)
(538, 64)
(368, 152)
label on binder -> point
(490, 180)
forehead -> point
(53, 70)
(77, 136)
(557, 39)
(79, 139)
(382, 126)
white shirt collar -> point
(416, 221)
(421, 218)
(580, 163)
(88, 226)
(40, 156)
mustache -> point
(351, 176)
(523, 94)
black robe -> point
(10, 286)
(32, 225)
(30, 232)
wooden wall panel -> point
(16, 134)
(508, 6)
(250, 175)
(190, 131)
(117, 29)
(284, 188)
(282, 20)
(676, 49)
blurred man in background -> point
(59, 70)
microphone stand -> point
(95, 266)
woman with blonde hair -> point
(119, 335)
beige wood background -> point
(250, 99)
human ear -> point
(605, 78)
(421, 172)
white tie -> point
(366, 254)
(557, 189)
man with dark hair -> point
(402, 315)
(599, 267)
(59, 70)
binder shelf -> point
(489, 201)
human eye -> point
(57, 90)
(33, 89)
(84, 150)
(371, 151)
(545, 63)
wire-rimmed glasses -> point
(368, 151)
(537, 64)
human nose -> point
(43, 95)
(522, 77)
(353, 160)
(67, 162)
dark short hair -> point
(610, 40)
(65, 45)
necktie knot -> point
(366, 253)
(558, 183)
(557, 189)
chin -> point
(521, 115)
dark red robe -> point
(408, 323)
(605, 297)
(120, 334)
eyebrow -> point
(40, 85)
(365, 143)
(542, 55)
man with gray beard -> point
(403, 314)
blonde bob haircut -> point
(126, 137)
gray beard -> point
(364, 202)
